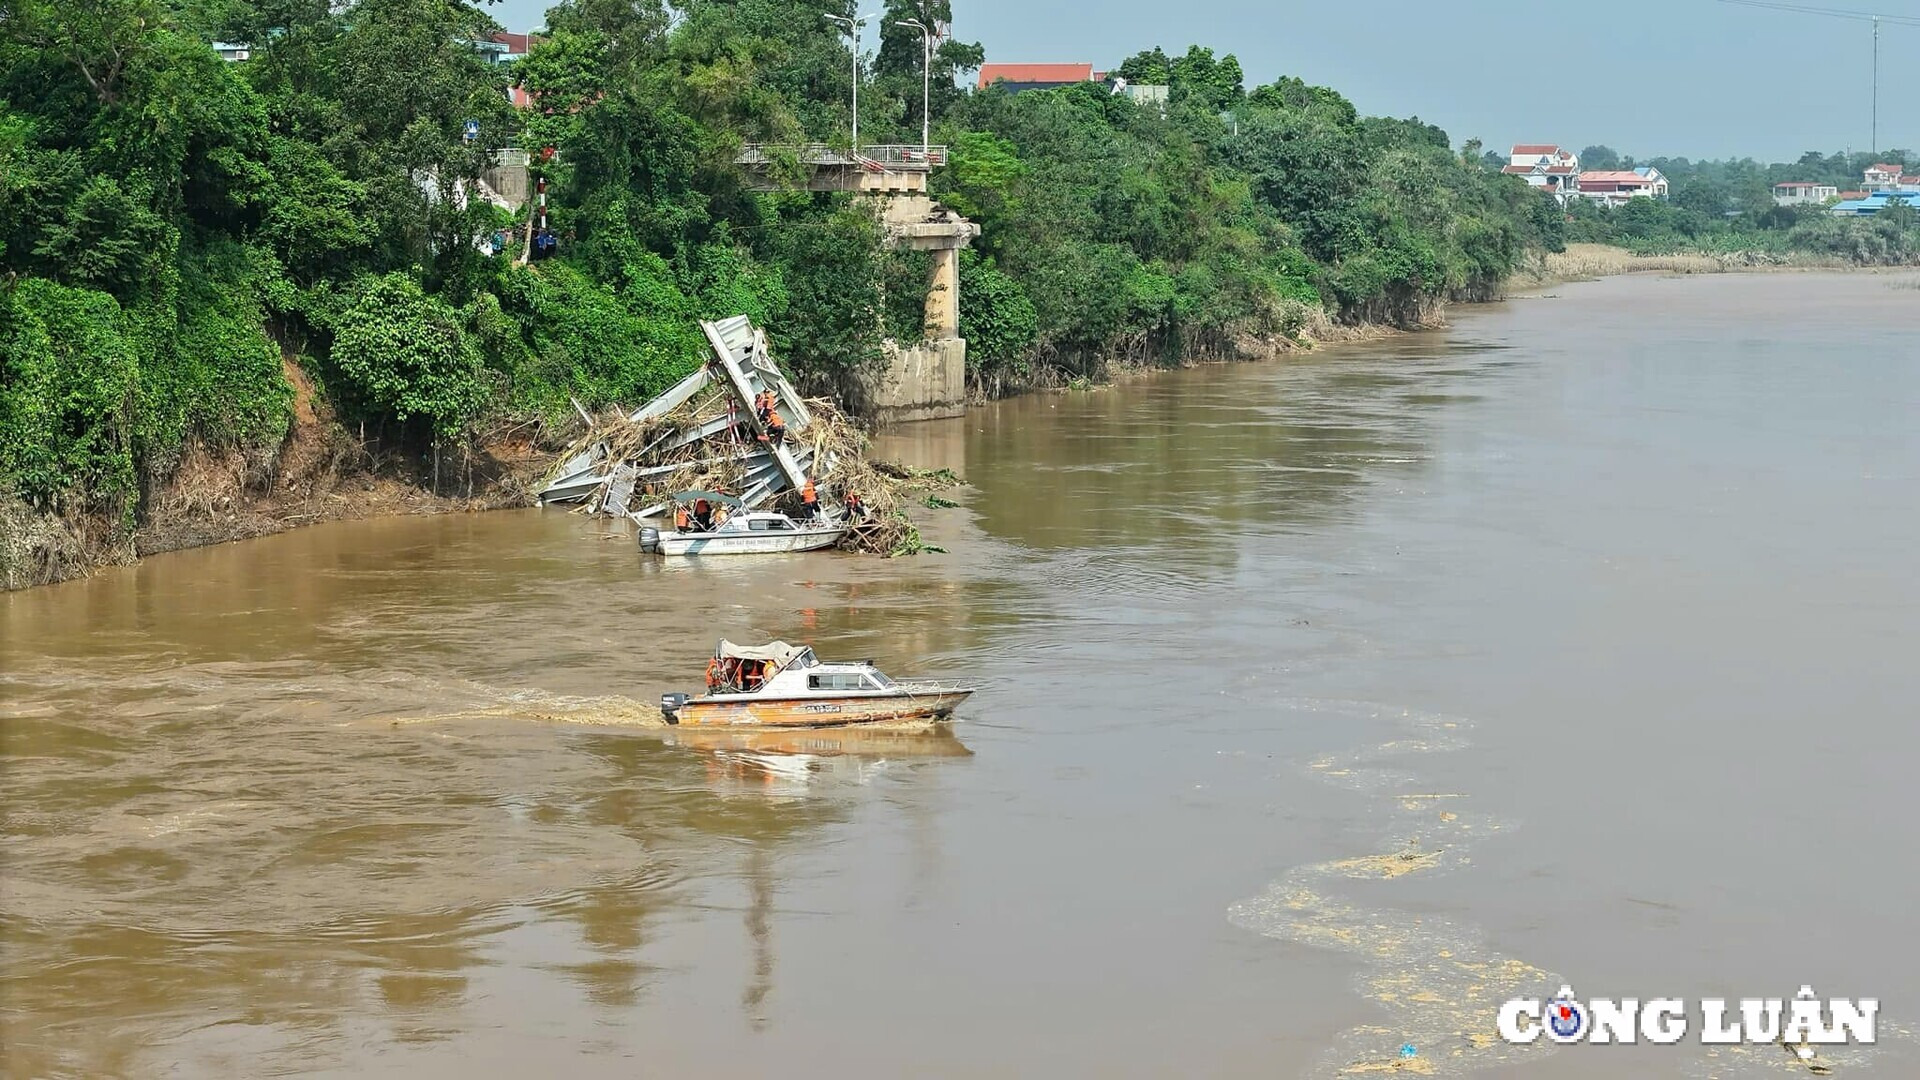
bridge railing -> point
(898, 157)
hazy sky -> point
(1693, 78)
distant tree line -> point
(1728, 206)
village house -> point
(1613, 187)
(1017, 77)
(1801, 192)
(1874, 202)
(1884, 177)
(1544, 165)
(501, 47)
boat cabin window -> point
(879, 680)
(839, 680)
(804, 659)
(770, 525)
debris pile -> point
(737, 426)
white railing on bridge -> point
(896, 157)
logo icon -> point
(1566, 1018)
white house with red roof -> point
(1801, 192)
(1611, 187)
(1544, 165)
(1885, 177)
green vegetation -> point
(1724, 207)
(180, 235)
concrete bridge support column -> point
(943, 294)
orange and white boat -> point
(782, 685)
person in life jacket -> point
(680, 517)
(763, 404)
(703, 513)
(776, 428)
(855, 508)
(810, 500)
(713, 675)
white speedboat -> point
(778, 685)
(746, 532)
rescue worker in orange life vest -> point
(680, 517)
(776, 428)
(810, 500)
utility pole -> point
(1844, 13)
(853, 27)
(926, 75)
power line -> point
(1837, 13)
(1845, 13)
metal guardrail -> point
(896, 157)
(512, 157)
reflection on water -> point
(392, 797)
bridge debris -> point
(707, 433)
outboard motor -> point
(649, 539)
(670, 706)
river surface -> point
(1326, 704)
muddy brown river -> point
(1327, 704)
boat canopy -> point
(720, 497)
(779, 652)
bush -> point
(996, 319)
(68, 377)
(405, 353)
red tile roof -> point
(1035, 73)
(1884, 167)
(515, 43)
(1614, 176)
(1535, 149)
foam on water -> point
(1438, 977)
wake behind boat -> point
(782, 685)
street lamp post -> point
(926, 76)
(853, 27)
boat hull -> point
(754, 543)
(820, 711)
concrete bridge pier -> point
(926, 380)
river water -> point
(1326, 704)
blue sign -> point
(472, 131)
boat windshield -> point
(805, 659)
(885, 683)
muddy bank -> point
(320, 472)
(1587, 262)
(323, 472)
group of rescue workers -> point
(703, 516)
(730, 675)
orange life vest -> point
(808, 495)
